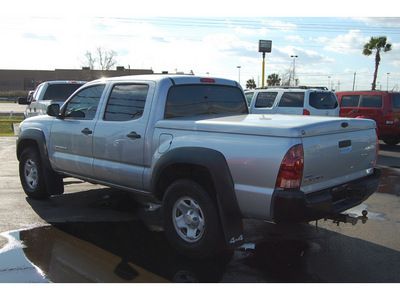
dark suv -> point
(382, 107)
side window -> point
(84, 104)
(37, 92)
(292, 99)
(126, 102)
(266, 99)
(396, 100)
(350, 100)
(249, 96)
(371, 101)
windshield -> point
(60, 92)
(192, 100)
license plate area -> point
(340, 193)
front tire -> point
(31, 174)
(191, 220)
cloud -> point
(39, 37)
(352, 42)
(294, 38)
(279, 25)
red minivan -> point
(382, 107)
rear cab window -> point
(196, 99)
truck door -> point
(119, 138)
(71, 137)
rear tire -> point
(191, 220)
(31, 174)
(391, 141)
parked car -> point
(380, 106)
(293, 101)
(46, 93)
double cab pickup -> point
(190, 143)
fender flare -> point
(216, 164)
(54, 182)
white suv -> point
(293, 101)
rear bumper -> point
(296, 206)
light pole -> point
(294, 68)
(239, 72)
(387, 82)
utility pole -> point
(294, 69)
(354, 80)
(387, 82)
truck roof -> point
(175, 79)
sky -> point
(210, 38)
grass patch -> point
(6, 125)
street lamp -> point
(239, 72)
(387, 82)
(294, 67)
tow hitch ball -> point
(345, 218)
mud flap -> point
(232, 226)
(54, 182)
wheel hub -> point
(192, 218)
(31, 174)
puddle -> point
(390, 182)
(127, 252)
(371, 215)
(14, 266)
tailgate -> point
(337, 158)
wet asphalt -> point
(92, 233)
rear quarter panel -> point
(253, 161)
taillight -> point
(306, 112)
(389, 118)
(291, 170)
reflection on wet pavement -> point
(390, 182)
(103, 236)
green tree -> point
(273, 80)
(250, 84)
(376, 44)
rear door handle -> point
(86, 131)
(134, 135)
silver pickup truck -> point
(46, 93)
(190, 143)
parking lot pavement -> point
(11, 107)
(92, 215)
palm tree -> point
(250, 84)
(376, 44)
(273, 80)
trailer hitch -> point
(345, 218)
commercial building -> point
(26, 80)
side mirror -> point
(53, 110)
(23, 101)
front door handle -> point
(86, 131)
(134, 135)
